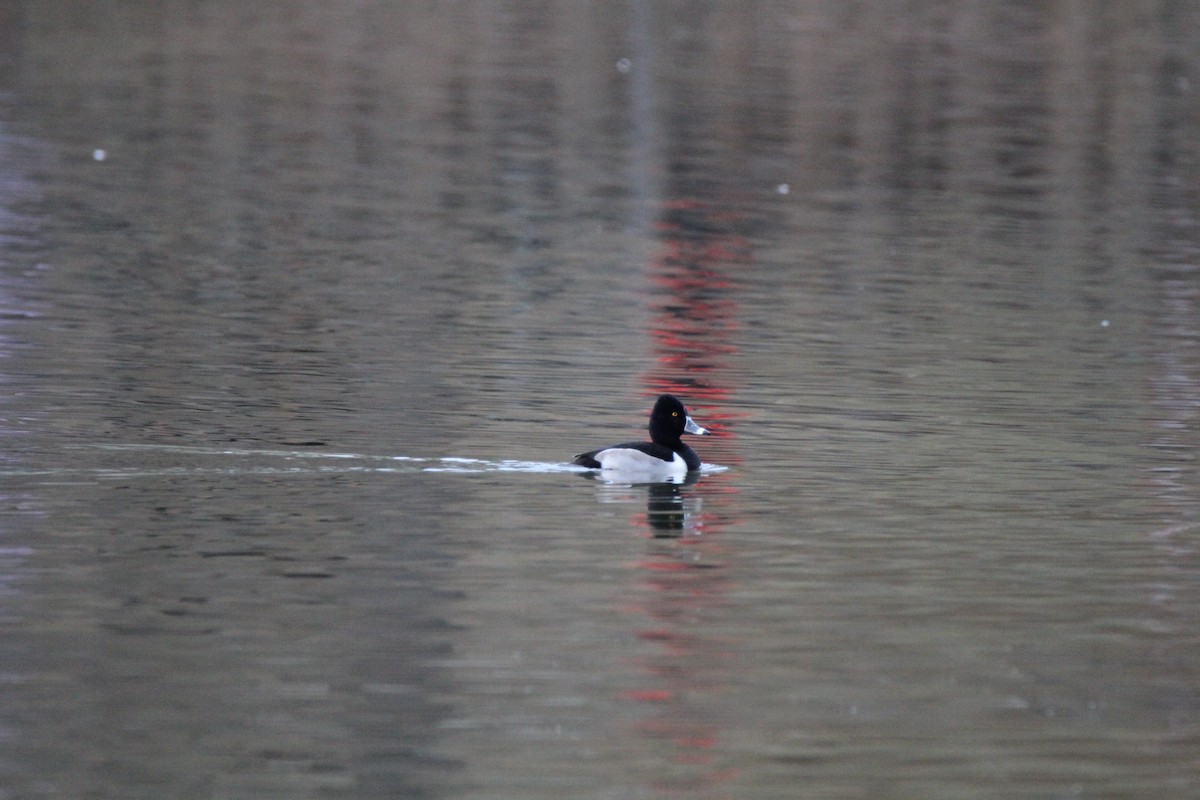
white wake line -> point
(379, 463)
(236, 451)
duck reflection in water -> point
(671, 510)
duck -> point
(664, 457)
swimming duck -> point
(664, 456)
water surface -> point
(305, 308)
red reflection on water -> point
(684, 577)
(682, 668)
(695, 316)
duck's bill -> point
(692, 427)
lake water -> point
(304, 308)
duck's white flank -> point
(623, 459)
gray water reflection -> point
(304, 307)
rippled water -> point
(305, 307)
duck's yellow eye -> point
(674, 413)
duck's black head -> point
(669, 420)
